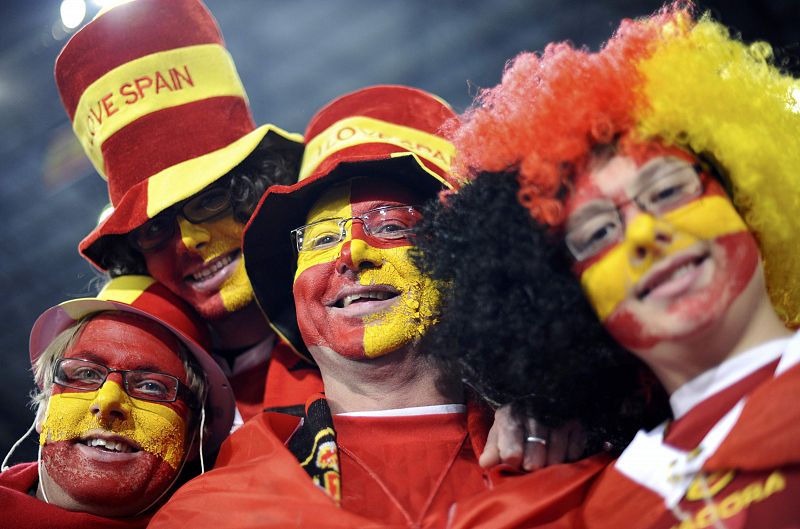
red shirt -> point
(731, 457)
(399, 469)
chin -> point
(111, 490)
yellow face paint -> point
(222, 236)
(411, 316)
(336, 204)
(155, 427)
(610, 280)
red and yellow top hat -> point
(144, 296)
(156, 102)
(376, 131)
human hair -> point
(269, 164)
(43, 367)
(514, 323)
(668, 79)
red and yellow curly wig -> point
(668, 79)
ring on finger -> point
(535, 439)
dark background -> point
(293, 57)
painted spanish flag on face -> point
(158, 428)
(610, 278)
(146, 298)
(156, 102)
(363, 297)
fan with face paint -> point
(629, 176)
(126, 387)
(363, 297)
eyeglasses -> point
(386, 223)
(206, 205)
(600, 224)
(86, 375)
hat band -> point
(155, 82)
(183, 180)
(360, 130)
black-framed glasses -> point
(600, 225)
(387, 223)
(207, 205)
(85, 375)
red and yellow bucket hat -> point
(143, 296)
(384, 130)
(157, 104)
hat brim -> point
(270, 258)
(220, 400)
(179, 182)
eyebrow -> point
(88, 355)
(650, 171)
(589, 210)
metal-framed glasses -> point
(387, 223)
(153, 386)
(205, 206)
(600, 225)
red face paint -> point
(116, 481)
(694, 313)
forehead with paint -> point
(362, 297)
(660, 250)
(104, 450)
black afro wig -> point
(516, 325)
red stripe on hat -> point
(402, 105)
(100, 46)
(167, 137)
(168, 308)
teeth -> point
(109, 445)
(682, 270)
(209, 271)
(367, 295)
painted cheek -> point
(318, 325)
(158, 428)
(225, 237)
(736, 266)
(411, 316)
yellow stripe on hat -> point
(359, 130)
(154, 82)
(180, 181)
(125, 289)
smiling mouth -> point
(114, 444)
(363, 297)
(673, 276)
(210, 270)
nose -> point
(647, 236)
(357, 255)
(111, 403)
(193, 236)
